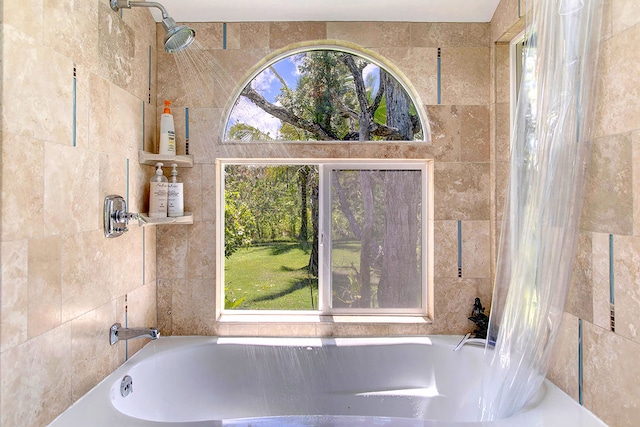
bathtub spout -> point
(467, 339)
(117, 333)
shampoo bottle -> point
(176, 194)
(167, 132)
(158, 194)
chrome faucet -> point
(117, 333)
(467, 339)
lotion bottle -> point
(167, 132)
(158, 194)
(176, 194)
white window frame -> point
(324, 241)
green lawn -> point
(270, 277)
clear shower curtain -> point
(550, 149)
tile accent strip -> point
(439, 76)
(459, 248)
(186, 130)
(144, 249)
(580, 366)
(143, 125)
(224, 35)
(612, 301)
(127, 181)
(75, 107)
(149, 74)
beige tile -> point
(563, 367)
(14, 291)
(247, 35)
(474, 133)
(23, 187)
(125, 123)
(635, 154)
(47, 118)
(141, 313)
(370, 34)
(192, 180)
(193, 307)
(172, 251)
(600, 281)
(617, 101)
(445, 122)
(112, 177)
(99, 114)
(454, 300)
(580, 296)
(502, 73)
(611, 370)
(37, 376)
(285, 33)
(92, 356)
(461, 191)
(164, 297)
(209, 202)
(445, 237)
(205, 133)
(466, 74)
(149, 236)
(201, 258)
(116, 47)
(71, 199)
(608, 204)
(476, 250)
(449, 34)
(25, 16)
(503, 132)
(501, 188)
(45, 288)
(398, 150)
(504, 18)
(625, 14)
(422, 74)
(627, 286)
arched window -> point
(322, 93)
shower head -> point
(178, 37)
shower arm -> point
(116, 5)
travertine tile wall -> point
(63, 283)
(610, 360)
(460, 147)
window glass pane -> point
(318, 95)
(271, 246)
(376, 239)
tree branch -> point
(286, 116)
(361, 92)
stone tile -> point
(172, 251)
(45, 288)
(608, 205)
(625, 14)
(474, 133)
(449, 34)
(396, 150)
(247, 35)
(627, 286)
(466, 75)
(201, 258)
(25, 16)
(445, 236)
(476, 250)
(14, 291)
(141, 312)
(192, 187)
(502, 73)
(205, 133)
(580, 296)
(149, 235)
(462, 191)
(370, 34)
(421, 74)
(501, 188)
(193, 307)
(116, 47)
(112, 177)
(503, 132)
(93, 358)
(125, 122)
(285, 33)
(37, 376)
(504, 18)
(635, 155)
(618, 101)
(600, 280)
(445, 123)
(563, 367)
(454, 300)
(209, 192)
(23, 200)
(164, 306)
(68, 173)
(46, 118)
(611, 370)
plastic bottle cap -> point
(159, 170)
(167, 110)
(174, 172)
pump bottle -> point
(158, 194)
(176, 194)
(167, 132)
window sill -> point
(320, 319)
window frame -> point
(326, 165)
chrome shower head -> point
(178, 37)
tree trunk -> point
(303, 182)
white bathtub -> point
(205, 381)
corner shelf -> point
(187, 218)
(183, 161)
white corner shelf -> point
(183, 161)
(186, 219)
